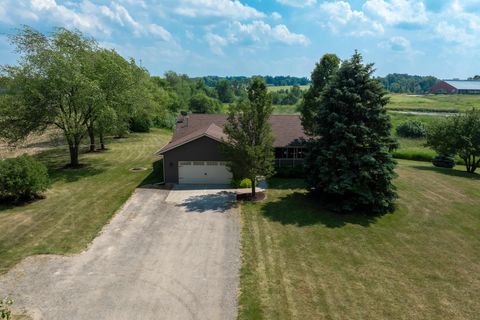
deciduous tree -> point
(458, 135)
(249, 148)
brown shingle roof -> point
(287, 130)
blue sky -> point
(275, 37)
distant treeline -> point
(212, 81)
(405, 83)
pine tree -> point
(349, 163)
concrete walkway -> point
(157, 259)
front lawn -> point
(420, 262)
(80, 201)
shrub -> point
(412, 129)
(443, 161)
(241, 183)
(5, 312)
(22, 178)
(290, 172)
(140, 123)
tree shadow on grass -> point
(56, 161)
(450, 172)
(302, 209)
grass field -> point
(278, 88)
(80, 202)
(436, 103)
(420, 262)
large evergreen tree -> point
(321, 75)
(249, 148)
(349, 163)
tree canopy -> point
(458, 135)
(348, 160)
(249, 148)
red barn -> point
(456, 87)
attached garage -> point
(203, 172)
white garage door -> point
(203, 172)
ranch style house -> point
(194, 155)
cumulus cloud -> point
(341, 18)
(217, 8)
(397, 11)
(397, 43)
(298, 3)
(458, 25)
(261, 32)
(276, 16)
(254, 34)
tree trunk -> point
(253, 188)
(91, 134)
(74, 154)
(102, 141)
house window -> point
(289, 153)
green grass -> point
(81, 201)
(420, 262)
(285, 109)
(278, 88)
(435, 103)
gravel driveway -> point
(157, 259)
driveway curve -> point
(156, 259)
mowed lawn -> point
(80, 202)
(420, 262)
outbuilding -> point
(456, 87)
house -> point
(194, 155)
(456, 87)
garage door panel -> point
(203, 172)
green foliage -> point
(65, 79)
(241, 183)
(321, 75)
(404, 83)
(201, 103)
(287, 96)
(350, 167)
(250, 142)
(443, 161)
(412, 129)
(290, 172)
(140, 123)
(22, 178)
(225, 91)
(5, 312)
(458, 135)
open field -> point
(436, 103)
(278, 88)
(420, 262)
(80, 201)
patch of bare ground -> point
(33, 144)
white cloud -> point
(253, 35)
(159, 31)
(397, 11)
(261, 32)
(341, 18)
(216, 43)
(51, 10)
(397, 43)
(298, 3)
(457, 25)
(217, 8)
(276, 16)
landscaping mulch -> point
(259, 196)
